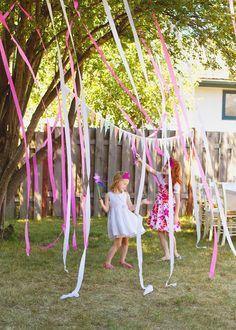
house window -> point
(229, 105)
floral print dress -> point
(159, 217)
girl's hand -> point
(146, 201)
(101, 201)
(176, 219)
(138, 158)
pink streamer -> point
(84, 221)
(181, 103)
(214, 255)
(36, 181)
(73, 206)
(50, 245)
(172, 76)
(159, 75)
(16, 101)
(134, 151)
(74, 244)
(63, 176)
(9, 11)
(27, 242)
(25, 12)
(76, 105)
(50, 163)
(113, 73)
(24, 57)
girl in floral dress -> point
(159, 217)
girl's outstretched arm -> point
(132, 206)
(148, 167)
(105, 206)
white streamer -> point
(149, 288)
(119, 46)
(171, 224)
(68, 141)
(84, 109)
(136, 39)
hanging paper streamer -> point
(76, 104)
(18, 110)
(171, 222)
(116, 77)
(36, 180)
(149, 288)
(45, 247)
(27, 243)
(50, 163)
(119, 46)
(214, 255)
(7, 13)
(20, 50)
(231, 7)
(86, 200)
(63, 176)
(68, 141)
(172, 76)
(73, 206)
(136, 39)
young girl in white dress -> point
(122, 223)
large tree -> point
(201, 23)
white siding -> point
(208, 103)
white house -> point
(215, 105)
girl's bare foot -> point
(126, 265)
(106, 265)
(165, 258)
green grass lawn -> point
(30, 287)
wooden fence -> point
(108, 155)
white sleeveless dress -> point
(121, 221)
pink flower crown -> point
(126, 176)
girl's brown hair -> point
(116, 179)
(176, 172)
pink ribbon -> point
(214, 255)
(25, 12)
(36, 181)
(157, 71)
(76, 103)
(73, 207)
(50, 163)
(172, 76)
(74, 243)
(16, 101)
(8, 12)
(84, 221)
(50, 245)
(63, 176)
(24, 57)
(27, 242)
(113, 73)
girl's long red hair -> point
(176, 172)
